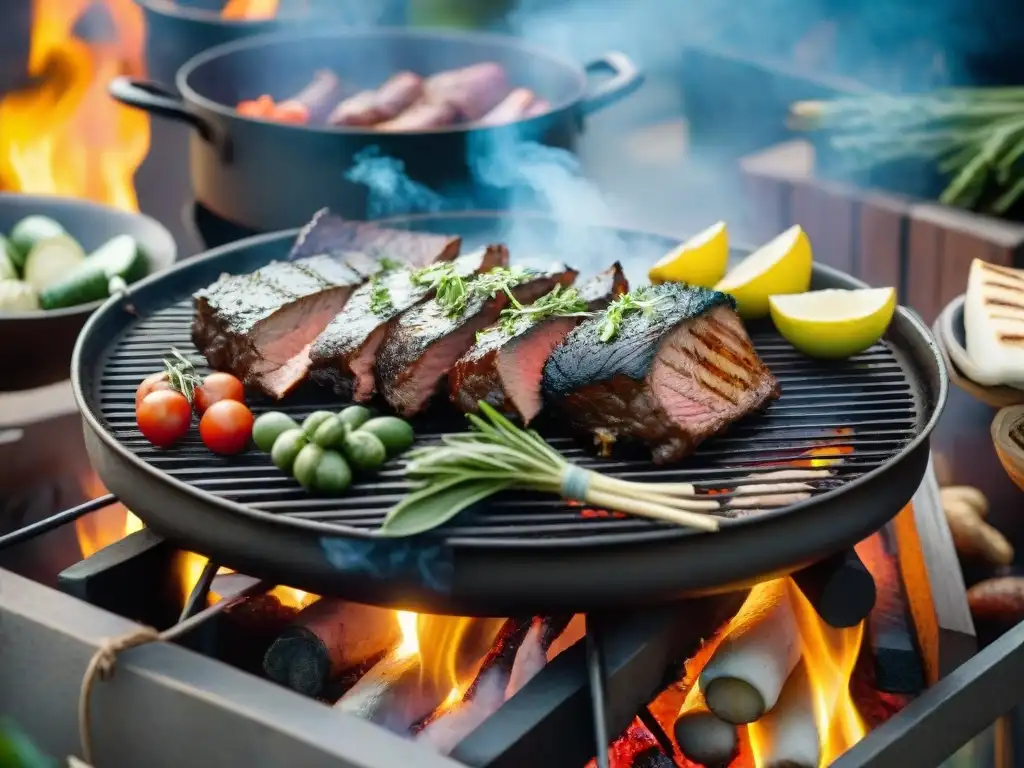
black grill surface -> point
(857, 419)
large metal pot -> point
(267, 176)
(177, 30)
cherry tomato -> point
(226, 427)
(217, 387)
(164, 417)
(153, 383)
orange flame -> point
(191, 568)
(104, 526)
(63, 134)
(829, 657)
(250, 10)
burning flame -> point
(105, 526)
(829, 657)
(250, 10)
(63, 134)
(191, 568)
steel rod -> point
(55, 521)
(187, 625)
(950, 713)
(664, 741)
(598, 697)
(200, 591)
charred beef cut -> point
(505, 369)
(254, 325)
(671, 376)
(327, 234)
(343, 355)
(424, 343)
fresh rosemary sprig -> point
(560, 302)
(974, 135)
(639, 300)
(497, 455)
(181, 373)
(380, 297)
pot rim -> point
(190, 95)
(172, 9)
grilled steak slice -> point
(505, 368)
(332, 235)
(424, 343)
(671, 376)
(343, 354)
(253, 325)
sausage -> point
(358, 110)
(513, 107)
(397, 94)
(421, 116)
(315, 100)
(473, 91)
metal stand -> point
(598, 695)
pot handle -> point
(626, 78)
(159, 100)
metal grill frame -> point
(497, 576)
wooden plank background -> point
(921, 248)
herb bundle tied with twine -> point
(496, 456)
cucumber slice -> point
(28, 232)
(9, 260)
(122, 257)
(16, 296)
(85, 284)
(7, 268)
(51, 261)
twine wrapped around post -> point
(101, 667)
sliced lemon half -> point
(780, 266)
(834, 323)
(701, 260)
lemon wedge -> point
(701, 260)
(834, 323)
(782, 265)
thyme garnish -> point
(628, 303)
(559, 302)
(380, 297)
(181, 374)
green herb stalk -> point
(497, 455)
(976, 135)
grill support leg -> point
(598, 695)
(197, 598)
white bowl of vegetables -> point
(60, 258)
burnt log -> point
(840, 588)
(327, 638)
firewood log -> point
(702, 737)
(787, 736)
(532, 655)
(326, 638)
(745, 675)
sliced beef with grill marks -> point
(670, 378)
(424, 343)
(505, 369)
(334, 236)
(252, 325)
(343, 355)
